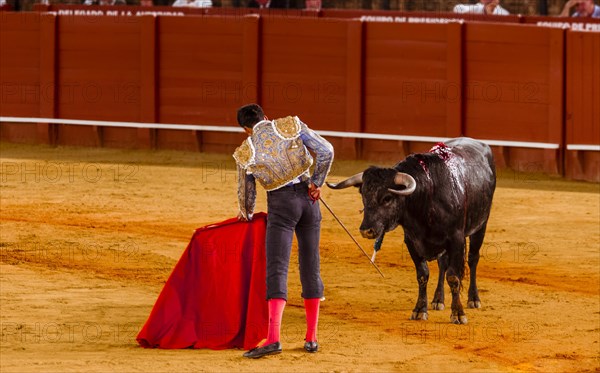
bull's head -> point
(383, 191)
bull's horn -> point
(407, 181)
(351, 181)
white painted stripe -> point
(381, 136)
(355, 135)
(80, 122)
(521, 144)
(377, 136)
(593, 148)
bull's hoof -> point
(437, 306)
(455, 319)
(474, 304)
(418, 316)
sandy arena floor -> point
(89, 236)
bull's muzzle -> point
(368, 233)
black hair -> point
(249, 115)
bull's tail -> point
(464, 269)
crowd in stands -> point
(482, 7)
(193, 3)
(562, 8)
(582, 8)
(104, 2)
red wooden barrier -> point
(21, 75)
(100, 77)
(486, 80)
(514, 91)
(582, 160)
(207, 69)
(309, 68)
(573, 23)
(412, 84)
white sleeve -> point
(500, 11)
(461, 8)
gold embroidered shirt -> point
(277, 153)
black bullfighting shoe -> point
(272, 349)
(311, 346)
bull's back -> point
(479, 180)
(476, 154)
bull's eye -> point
(387, 199)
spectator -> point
(193, 3)
(271, 4)
(583, 8)
(259, 3)
(2, 3)
(483, 7)
(104, 2)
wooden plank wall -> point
(412, 84)
(22, 90)
(492, 81)
(99, 78)
(582, 114)
(513, 90)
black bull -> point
(439, 198)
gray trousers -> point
(291, 210)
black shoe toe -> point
(272, 349)
(311, 346)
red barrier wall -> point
(100, 77)
(204, 79)
(574, 23)
(484, 80)
(583, 105)
(25, 87)
(311, 64)
(412, 83)
(514, 90)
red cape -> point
(216, 295)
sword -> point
(349, 234)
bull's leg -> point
(454, 276)
(476, 240)
(420, 310)
(438, 296)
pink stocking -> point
(312, 318)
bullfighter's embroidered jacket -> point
(277, 154)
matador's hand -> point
(314, 192)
